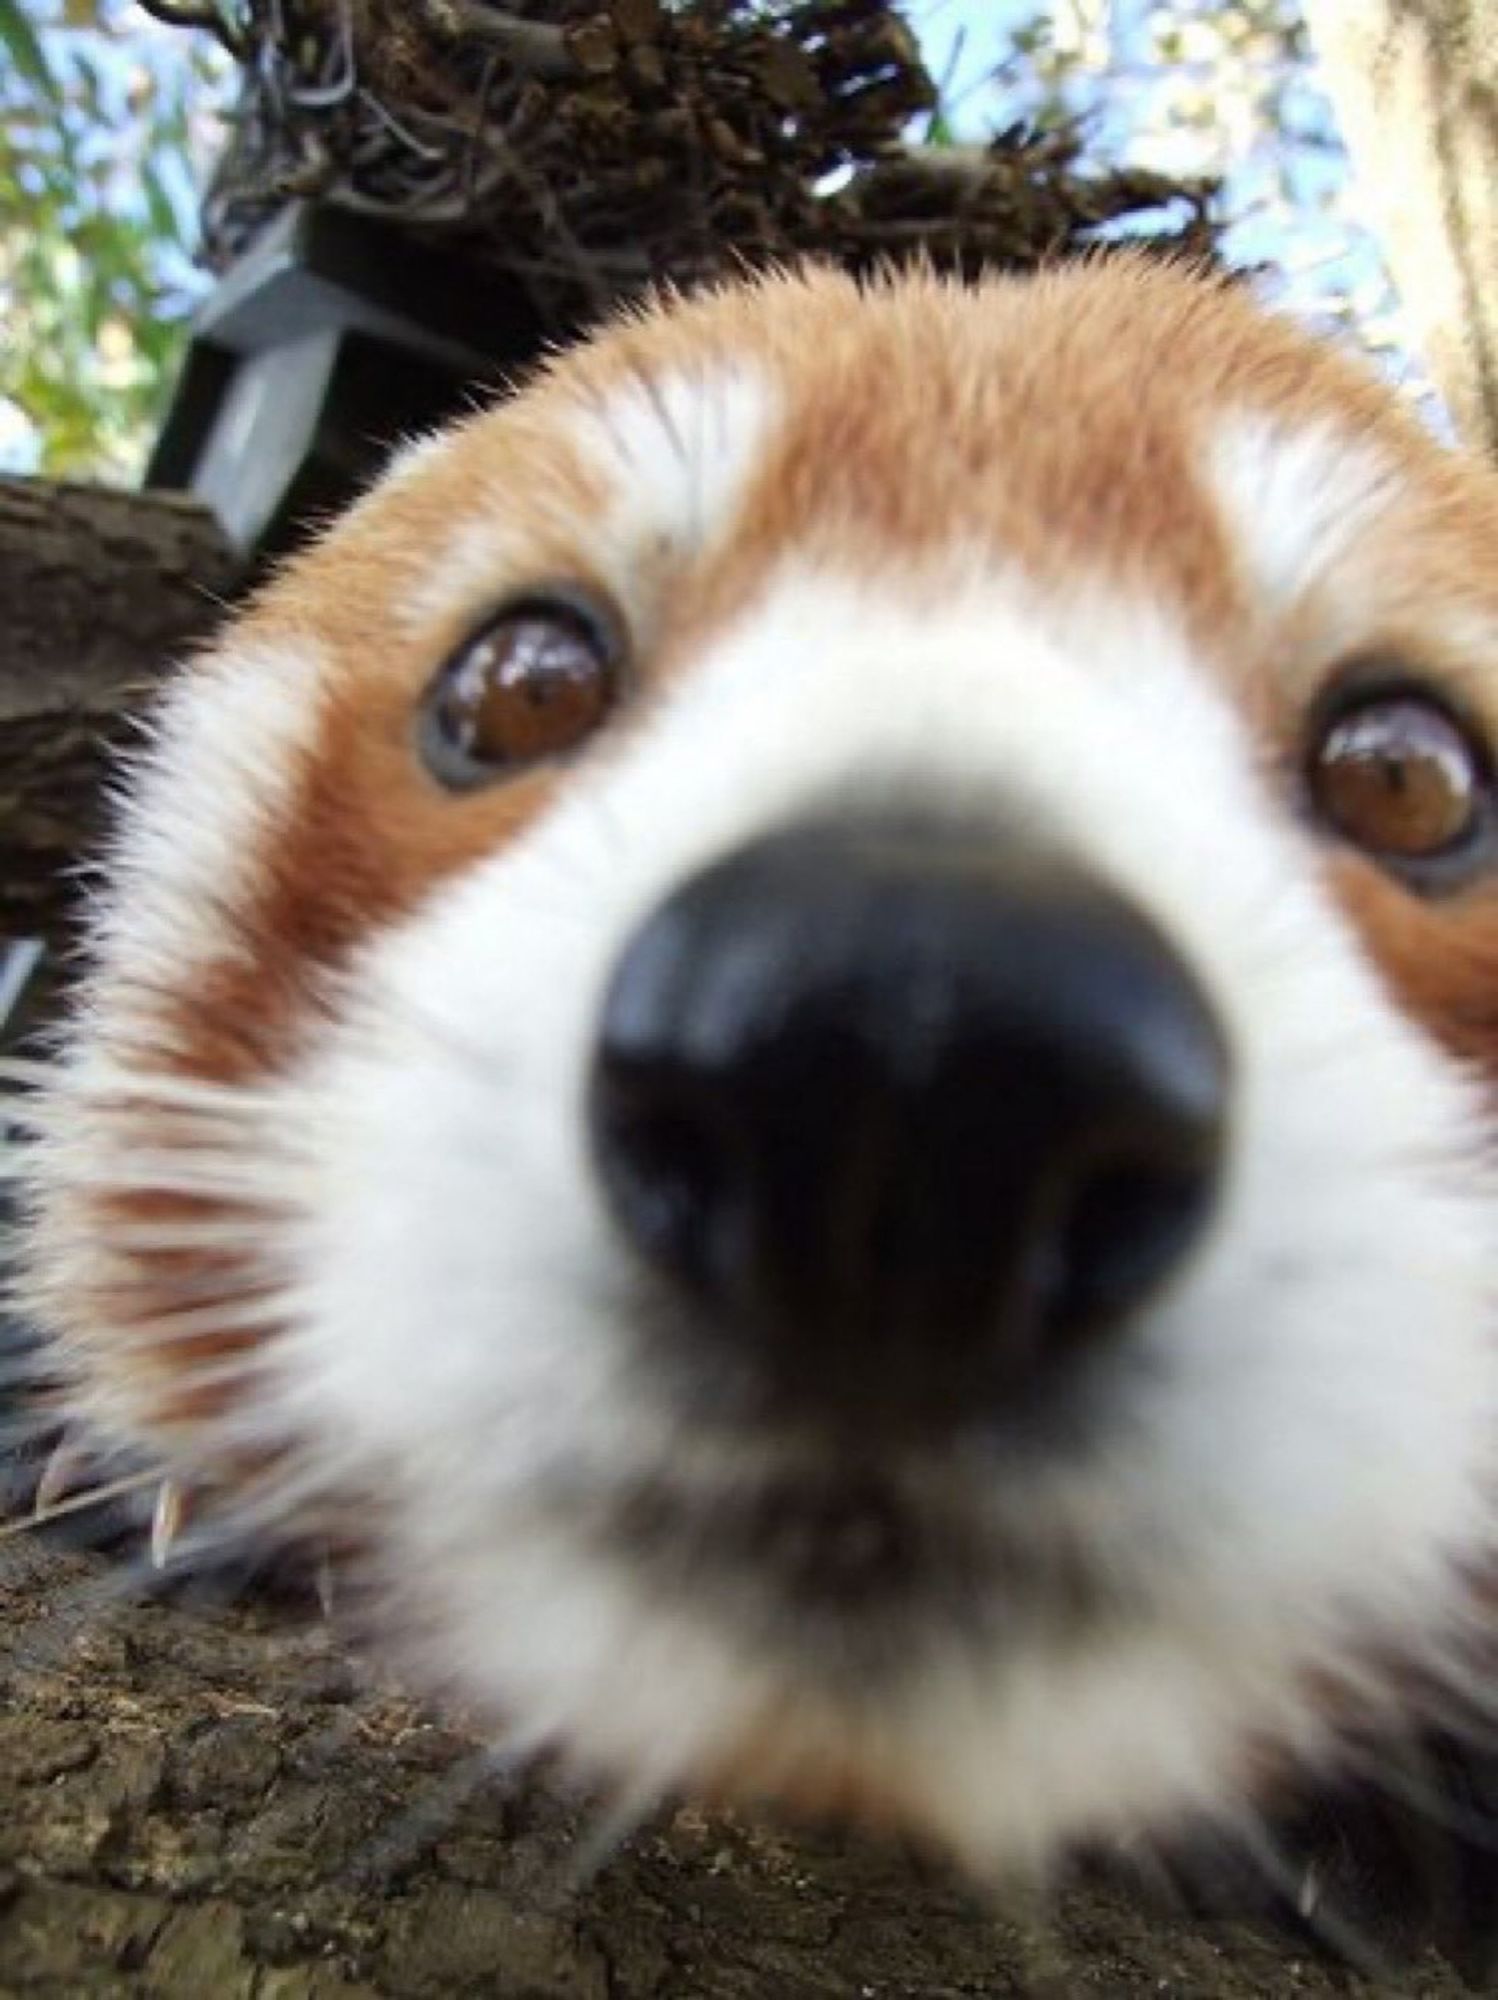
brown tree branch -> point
(101, 591)
(531, 48)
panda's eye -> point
(530, 683)
(1401, 776)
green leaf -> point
(26, 52)
(159, 204)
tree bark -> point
(1415, 83)
(101, 591)
(206, 1801)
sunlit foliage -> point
(105, 116)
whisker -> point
(104, 1085)
(1301, 1893)
(168, 1519)
(72, 1136)
(288, 1494)
(44, 1114)
(27, 1447)
(229, 1234)
(25, 1367)
(429, 1816)
(258, 1312)
(206, 1177)
(1150, 1870)
(242, 1374)
(476, 1061)
(1425, 1796)
(1463, 1707)
(168, 1135)
(78, 1503)
(618, 1820)
(140, 1296)
(69, 1462)
(26, 1072)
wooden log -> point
(207, 1802)
(102, 590)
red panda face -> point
(804, 1034)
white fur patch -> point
(674, 453)
(221, 761)
(464, 577)
(1297, 501)
(1289, 1477)
(679, 450)
(206, 794)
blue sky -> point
(981, 27)
(1288, 195)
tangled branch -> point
(589, 147)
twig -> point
(536, 48)
(202, 14)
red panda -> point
(802, 1040)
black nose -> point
(912, 1112)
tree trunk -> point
(1415, 83)
(101, 591)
